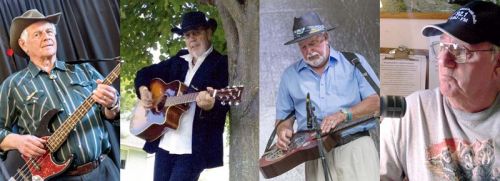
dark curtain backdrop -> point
(88, 29)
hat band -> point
(307, 30)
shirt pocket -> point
(36, 103)
(341, 84)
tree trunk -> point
(240, 20)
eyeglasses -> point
(461, 53)
(195, 32)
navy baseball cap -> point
(475, 22)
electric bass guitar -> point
(46, 166)
(303, 147)
(170, 101)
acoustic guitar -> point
(170, 101)
(303, 147)
(45, 166)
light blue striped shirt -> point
(28, 94)
(340, 86)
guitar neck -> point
(182, 99)
(225, 95)
(61, 133)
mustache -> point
(312, 54)
(193, 42)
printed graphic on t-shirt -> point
(455, 159)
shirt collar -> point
(189, 58)
(34, 70)
(334, 55)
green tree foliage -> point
(146, 25)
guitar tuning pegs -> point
(230, 103)
(237, 103)
(223, 103)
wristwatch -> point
(115, 106)
(347, 113)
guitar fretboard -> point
(61, 134)
(182, 99)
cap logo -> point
(465, 15)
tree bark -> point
(240, 21)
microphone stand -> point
(321, 149)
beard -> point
(197, 49)
(315, 59)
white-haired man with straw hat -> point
(48, 83)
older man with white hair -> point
(48, 83)
(339, 93)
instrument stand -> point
(321, 149)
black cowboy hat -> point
(306, 26)
(192, 20)
(21, 22)
(475, 22)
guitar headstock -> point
(229, 95)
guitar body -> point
(303, 147)
(151, 124)
(43, 167)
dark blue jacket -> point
(208, 126)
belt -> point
(351, 137)
(85, 168)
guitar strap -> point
(273, 134)
(354, 60)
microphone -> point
(392, 106)
(309, 112)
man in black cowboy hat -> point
(452, 132)
(339, 93)
(48, 83)
(184, 153)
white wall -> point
(407, 32)
(139, 165)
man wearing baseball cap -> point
(48, 83)
(452, 132)
(182, 154)
(338, 92)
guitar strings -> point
(25, 167)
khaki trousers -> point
(357, 160)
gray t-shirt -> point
(436, 142)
